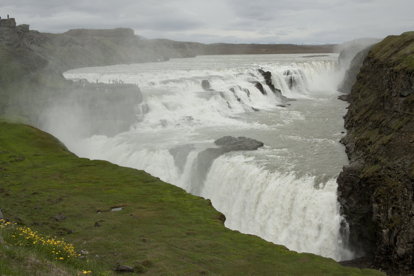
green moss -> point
(396, 50)
(160, 224)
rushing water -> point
(284, 192)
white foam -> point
(256, 195)
(281, 208)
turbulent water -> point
(284, 192)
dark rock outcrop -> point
(230, 143)
(8, 23)
(205, 84)
(268, 80)
(123, 268)
(260, 87)
(343, 97)
(376, 190)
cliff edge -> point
(118, 217)
(376, 189)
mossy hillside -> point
(396, 50)
(51, 190)
(19, 261)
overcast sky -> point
(237, 21)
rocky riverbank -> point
(376, 190)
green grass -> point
(16, 260)
(161, 229)
(26, 252)
(398, 50)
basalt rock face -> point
(267, 75)
(376, 190)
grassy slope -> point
(16, 261)
(396, 50)
(179, 234)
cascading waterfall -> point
(253, 197)
(284, 192)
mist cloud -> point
(259, 21)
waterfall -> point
(284, 192)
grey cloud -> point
(259, 21)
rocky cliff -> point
(376, 190)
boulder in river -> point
(206, 158)
(230, 143)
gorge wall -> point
(376, 189)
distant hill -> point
(241, 49)
(97, 47)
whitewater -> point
(284, 192)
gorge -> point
(378, 141)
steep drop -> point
(272, 192)
(376, 189)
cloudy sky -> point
(237, 21)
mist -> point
(350, 60)
(238, 124)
